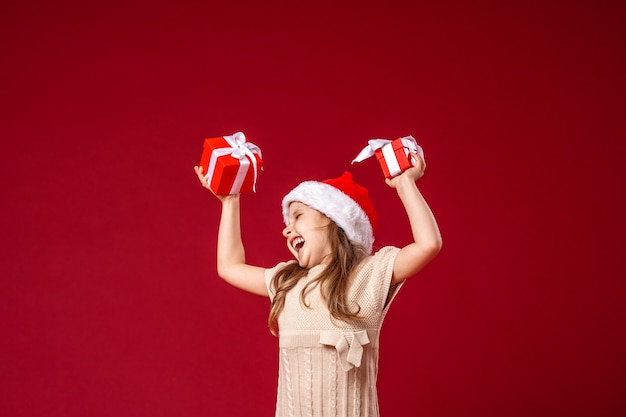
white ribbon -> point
(239, 149)
(349, 346)
(408, 142)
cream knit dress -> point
(328, 368)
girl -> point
(329, 303)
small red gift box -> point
(393, 155)
(231, 164)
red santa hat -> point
(344, 201)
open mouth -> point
(297, 244)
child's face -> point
(307, 236)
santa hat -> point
(344, 201)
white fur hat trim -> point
(338, 206)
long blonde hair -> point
(333, 280)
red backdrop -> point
(109, 300)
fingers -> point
(204, 181)
(201, 176)
(415, 172)
(418, 165)
(418, 160)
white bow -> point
(241, 147)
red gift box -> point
(393, 155)
(231, 164)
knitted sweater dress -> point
(328, 368)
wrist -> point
(406, 181)
(405, 184)
(229, 199)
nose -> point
(287, 231)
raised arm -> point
(231, 259)
(426, 237)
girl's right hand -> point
(203, 180)
(201, 177)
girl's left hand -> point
(414, 173)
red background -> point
(109, 301)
